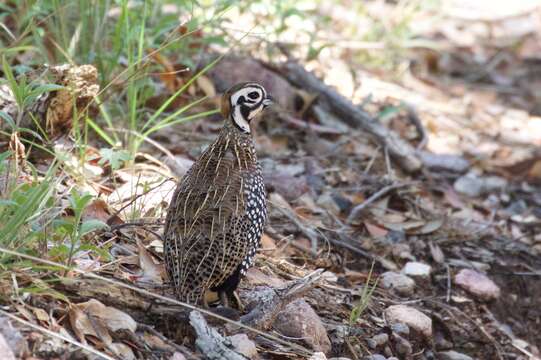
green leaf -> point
(8, 119)
(91, 225)
(114, 157)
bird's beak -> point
(268, 101)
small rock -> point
(177, 356)
(453, 355)
(339, 358)
(375, 357)
(318, 356)
(472, 185)
(401, 329)
(244, 345)
(477, 284)
(402, 346)
(399, 283)
(378, 340)
(410, 316)
(299, 320)
(417, 269)
(445, 162)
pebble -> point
(472, 185)
(477, 284)
(402, 346)
(244, 345)
(401, 329)
(299, 320)
(378, 340)
(453, 355)
(417, 269)
(318, 356)
(399, 283)
(410, 316)
(446, 162)
(375, 357)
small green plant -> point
(74, 228)
(23, 205)
(366, 295)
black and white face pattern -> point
(246, 103)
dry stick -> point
(210, 342)
(400, 150)
(56, 335)
(275, 300)
(414, 118)
(356, 211)
(160, 297)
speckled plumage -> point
(217, 214)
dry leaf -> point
(80, 324)
(429, 227)
(151, 272)
(41, 314)
(375, 230)
(169, 75)
(99, 210)
(267, 243)
(206, 85)
(113, 318)
(436, 252)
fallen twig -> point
(399, 150)
(356, 211)
(210, 342)
(272, 301)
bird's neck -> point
(239, 143)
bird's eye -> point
(253, 95)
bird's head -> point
(243, 102)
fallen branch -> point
(210, 342)
(399, 150)
(270, 302)
(356, 211)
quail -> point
(218, 210)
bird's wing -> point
(203, 225)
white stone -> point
(410, 316)
(244, 345)
(417, 269)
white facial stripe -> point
(239, 120)
(244, 92)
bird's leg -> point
(205, 302)
(239, 302)
(224, 299)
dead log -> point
(403, 153)
(210, 342)
(270, 302)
